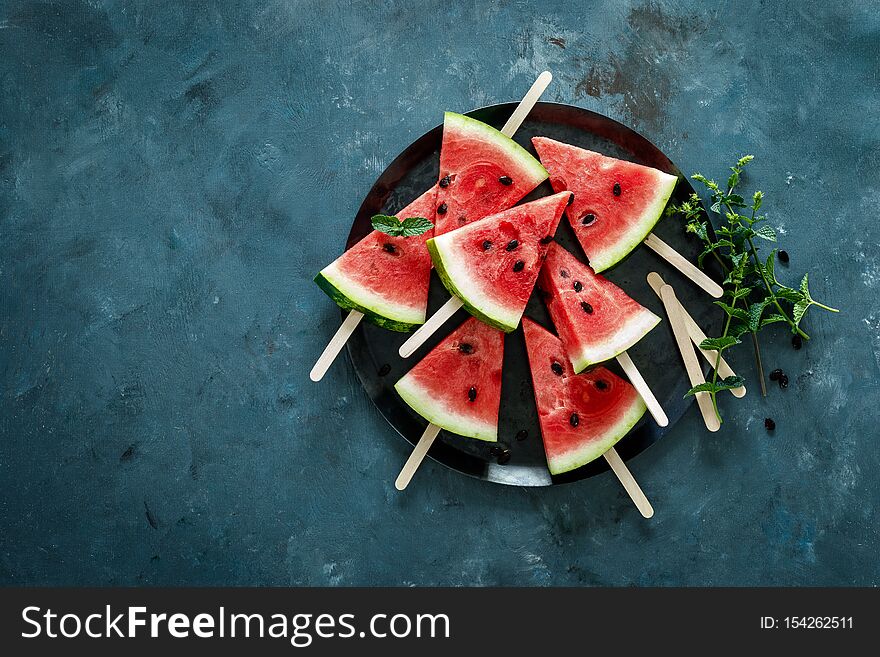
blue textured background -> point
(173, 173)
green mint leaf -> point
(736, 201)
(772, 319)
(718, 344)
(708, 386)
(755, 312)
(741, 293)
(769, 270)
(800, 309)
(767, 233)
(413, 226)
(734, 178)
(739, 313)
(729, 383)
(387, 224)
(805, 290)
(716, 206)
(744, 160)
(789, 294)
(738, 330)
(757, 199)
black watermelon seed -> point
(588, 219)
(570, 199)
(587, 307)
(519, 265)
(466, 348)
(783, 381)
(472, 393)
(563, 273)
(557, 368)
(385, 370)
(797, 341)
(512, 244)
(442, 208)
(495, 450)
(504, 457)
(487, 245)
(445, 180)
(775, 375)
(601, 384)
(505, 180)
(578, 286)
(547, 240)
(616, 189)
(389, 247)
(769, 424)
(574, 420)
(521, 435)
(783, 256)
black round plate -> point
(373, 350)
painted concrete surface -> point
(173, 174)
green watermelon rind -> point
(577, 458)
(444, 270)
(482, 131)
(348, 295)
(636, 327)
(426, 405)
(639, 229)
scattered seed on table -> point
(769, 424)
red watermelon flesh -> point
(492, 264)
(457, 386)
(385, 277)
(595, 319)
(616, 203)
(481, 172)
(581, 415)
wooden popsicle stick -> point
(635, 377)
(418, 455)
(683, 265)
(526, 104)
(428, 329)
(629, 483)
(697, 336)
(331, 351)
(354, 317)
(695, 374)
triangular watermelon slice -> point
(581, 415)
(457, 386)
(616, 203)
(385, 277)
(492, 264)
(595, 319)
(481, 172)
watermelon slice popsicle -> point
(582, 416)
(595, 319)
(365, 279)
(616, 206)
(490, 266)
(456, 387)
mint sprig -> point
(409, 227)
(751, 285)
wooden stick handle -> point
(526, 104)
(418, 455)
(695, 374)
(337, 342)
(697, 336)
(683, 265)
(428, 329)
(639, 383)
(629, 483)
